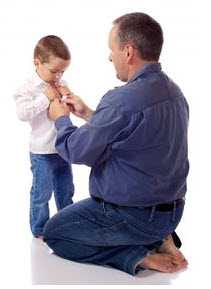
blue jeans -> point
(50, 174)
(93, 231)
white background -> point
(84, 26)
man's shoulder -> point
(124, 98)
(121, 91)
(130, 92)
(143, 93)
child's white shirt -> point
(32, 106)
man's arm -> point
(91, 143)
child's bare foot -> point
(161, 262)
(168, 247)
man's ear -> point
(129, 50)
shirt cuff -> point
(63, 121)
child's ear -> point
(36, 61)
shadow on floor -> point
(48, 269)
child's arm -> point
(29, 104)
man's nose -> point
(110, 58)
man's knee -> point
(51, 236)
(51, 229)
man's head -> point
(135, 39)
(51, 58)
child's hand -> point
(58, 109)
(51, 92)
(63, 90)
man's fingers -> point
(69, 100)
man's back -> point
(146, 161)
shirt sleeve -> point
(91, 143)
(29, 105)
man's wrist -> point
(60, 115)
(62, 120)
(88, 114)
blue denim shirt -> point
(135, 142)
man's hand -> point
(51, 92)
(58, 109)
(63, 90)
(78, 107)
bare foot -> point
(168, 247)
(161, 262)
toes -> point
(164, 263)
(179, 265)
(170, 267)
(180, 260)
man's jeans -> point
(93, 231)
(50, 174)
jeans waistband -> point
(165, 207)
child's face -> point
(52, 70)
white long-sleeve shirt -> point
(32, 106)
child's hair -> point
(51, 45)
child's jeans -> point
(50, 174)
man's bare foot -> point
(168, 247)
(161, 262)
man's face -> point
(52, 70)
(118, 55)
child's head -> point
(51, 58)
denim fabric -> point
(94, 231)
(50, 174)
(135, 142)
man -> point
(136, 145)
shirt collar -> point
(36, 79)
(151, 67)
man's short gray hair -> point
(141, 31)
